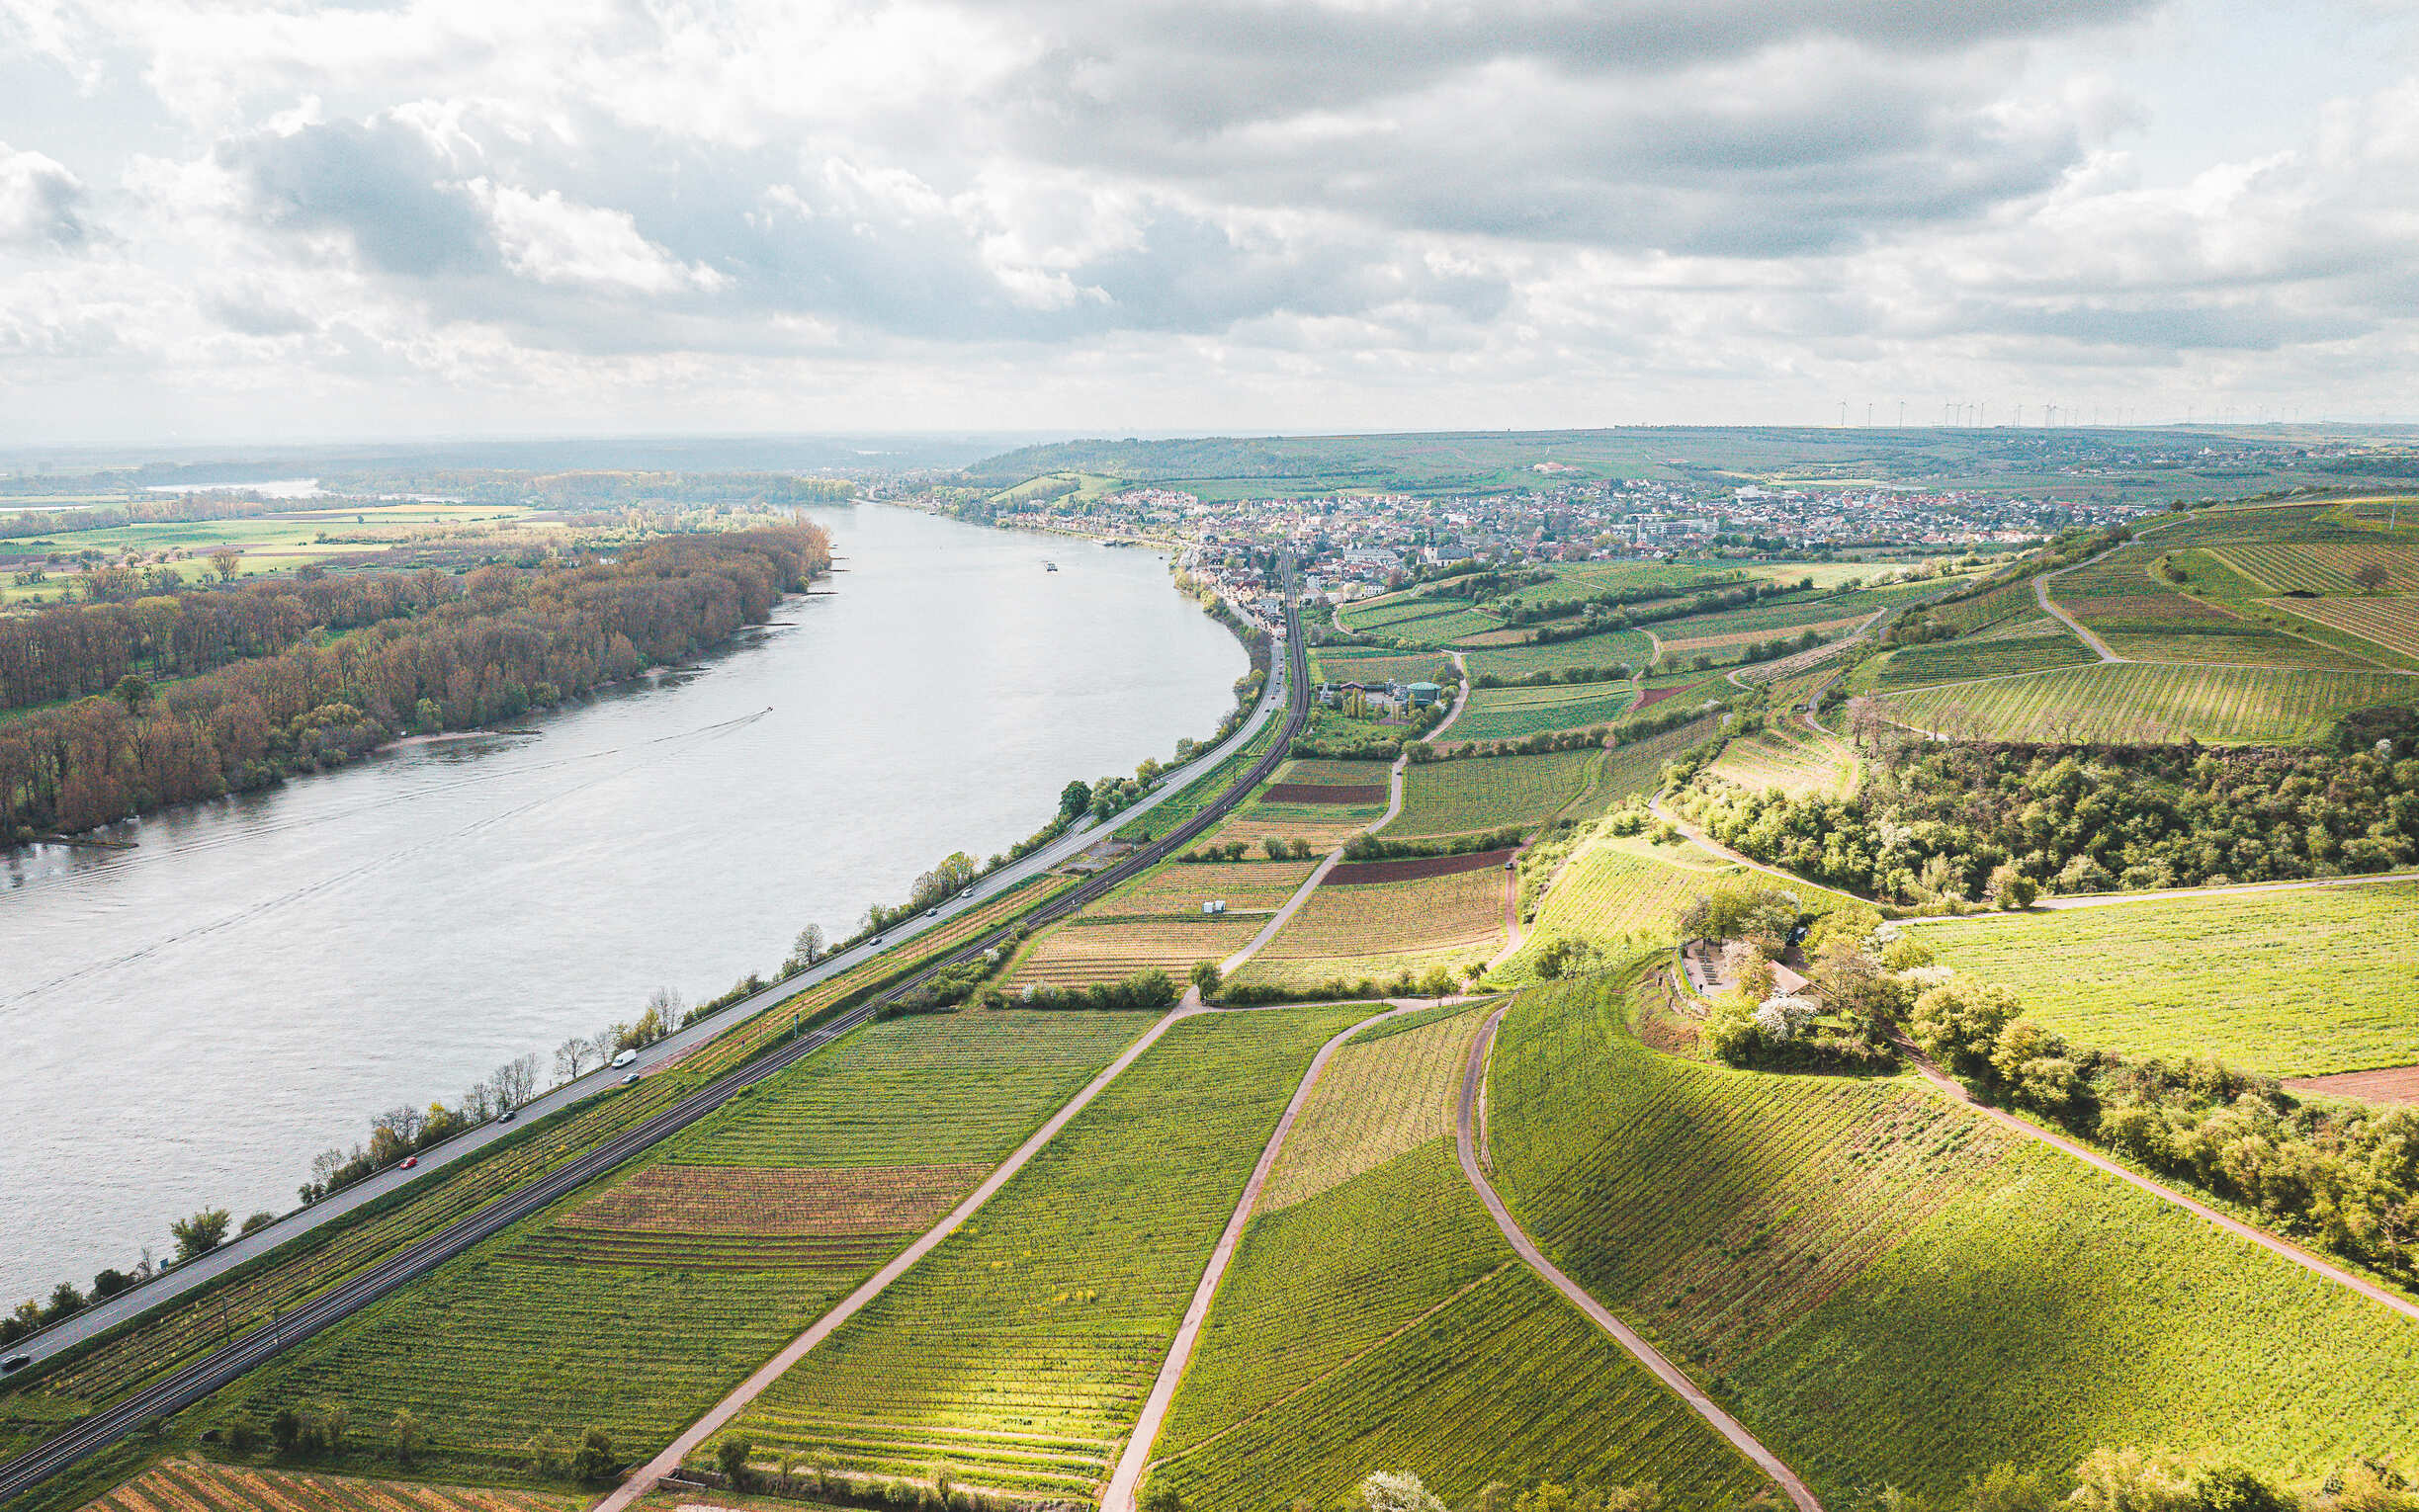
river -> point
(189, 1022)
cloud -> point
(41, 203)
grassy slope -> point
(2295, 983)
(1479, 793)
(510, 1340)
(1890, 1289)
(1020, 1350)
(1613, 888)
(1328, 1356)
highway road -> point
(202, 1375)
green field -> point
(2120, 701)
(2033, 645)
(1498, 714)
(1615, 894)
(1354, 664)
(634, 1305)
(1019, 1351)
(1610, 648)
(1327, 1356)
(1890, 1290)
(1787, 755)
(2293, 984)
(1479, 793)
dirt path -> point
(646, 1477)
(1465, 1136)
(1137, 1454)
(2281, 1248)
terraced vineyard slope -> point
(1890, 1289)
(1328, 1355)
(1019, 1351)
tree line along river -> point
(192, 1020)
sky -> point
(358, 219)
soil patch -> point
(2394, 1084)
(1653, 696)
(755, 1200)
(1412, 868)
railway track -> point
(193, 1382)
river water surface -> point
(190, 1021)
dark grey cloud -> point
(379, 182)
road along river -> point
(190, 1021)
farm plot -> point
(1635, 767)
(2220, 706)
(2033, 644)
(1787, 755)
(2144, 619)
(1611, 649)
(1613, 893)
(1378, 1098)
(1378, 930)
(1496, 713)
(2293, 984)
(2014, 601)
(2324, 568)
(2389, 622)
(1340, 664)
(183, 1485)
(1479, 793)
(1083, 951)
(1704, 637)
(1244, 887)
(565, 1323)
(1887, 1288)
(1019, 1351)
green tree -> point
(1161, 1496)
(1207, 977)
(1074, 799)
(732, 1455)
(131, 691)
(201, 1233)
(549, 1455)
(406, 1436)
(593, 1462)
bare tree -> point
(570, 1057)
(479, 1103)
(808, 949)
(515, 1080)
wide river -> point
(189, 1022)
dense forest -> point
(272, 678)
(1946, 823)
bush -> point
(593, 1462)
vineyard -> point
(2392, 622)
(1636, 767)
(1378, 929)
(2219, 706)
(1496, 713)
(2293, 984)
(1377, 1099)
(2033, 645)
(2319, 568)
(1610, 648)
(1246, 886)
(1344, 664)
(1887, 1288)
(1019, 1351)
(1327, 1356)
(1712, 636)
(1081, 952)
(1787, 755)
(567, 1321)
(1610, 889)
(1479, 793)
(181, 1486)
(2144, 619)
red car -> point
(410, 1161)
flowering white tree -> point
(1782, 1019)
(1396, 1492)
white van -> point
(624, 1058)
